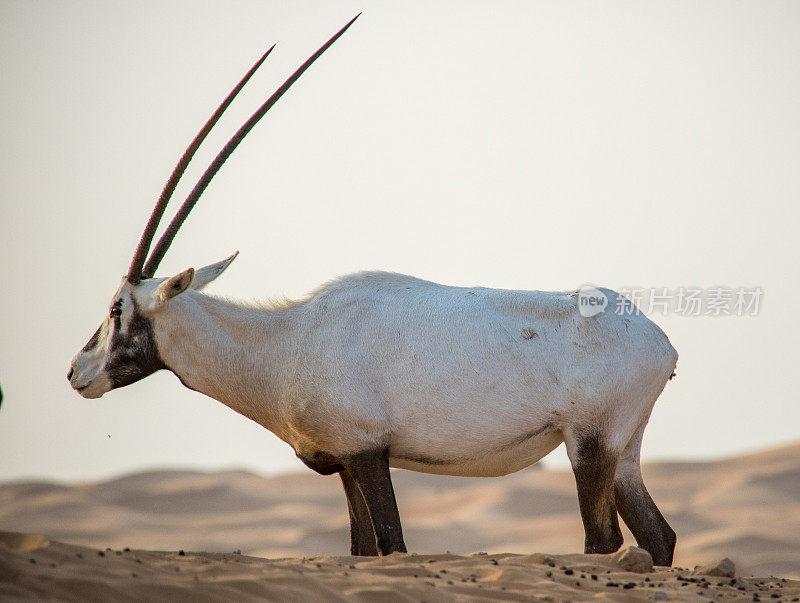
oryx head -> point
(124, 349)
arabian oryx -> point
(378, 370)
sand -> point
(32, 567)
(747, 509)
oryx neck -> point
(226, 350)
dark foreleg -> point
(362, 536)
(370, 472)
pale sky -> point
(526, 145)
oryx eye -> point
(116, 312)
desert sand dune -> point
(746, 508)
(33, 567)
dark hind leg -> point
(640, 513)
(362, 536)
(594, 466)
(370, 472)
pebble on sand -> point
(724, 568)
(634, 559)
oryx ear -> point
(174, 286)
(205, 275)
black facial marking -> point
(116, 314)
(133, 355)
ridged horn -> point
(169, 234)
(135, 271)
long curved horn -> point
(169, 234)
(135, 271)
